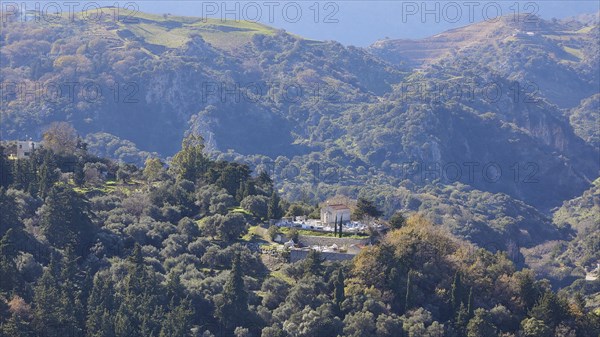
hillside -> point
(570, 260)
(557, 59)
(175, 152)
(162, 71)
(585, 120)
(322, 118)
(108, 249)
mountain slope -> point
(157, 72)
(558, 59)
(311, 110)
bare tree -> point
(61, 138)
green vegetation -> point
(93, 244)
(172, 258)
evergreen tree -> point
(274, 210)
(264, 181)
(250, 188)
(175, 290)
(527, 289)
(480, 325)
(549, 310)
(139, 313)
(366, 207)
(72, 314)
(240, 194)
(17, 326)
(20, 175)
(47, 298)
(178, 321)
(397, 285)
(190, 163)
(101, 308)
(6, 174)
(470, 308)
(457, 294)
(341, 226)
(408, 299)
(339, 294)
(313, 263)
(78, 174)
(461, 319)
(66, 218)
(397, 220)
(232, 305)
(228, 176)
(9, 218)
(32, 175)
(46, 174)
(9, 278)
(335, 226)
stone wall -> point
(308, 241)
(300, 254)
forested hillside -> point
(91, 247)
(353, 113)
(169, 142)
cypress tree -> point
(250, 189)
(232, 306)
(274, 211)
(470, 308)
(457, 293)
(46, 175)
(341, 226)
(78, 175)
(396, 285)
(408, 297)
(335, 230)
(339, 294)
(32, 175)
(240, 193)
(462, 319)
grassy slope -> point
(174, 31)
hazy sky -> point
(359, 22)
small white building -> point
(25, 148)
(330, 213)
